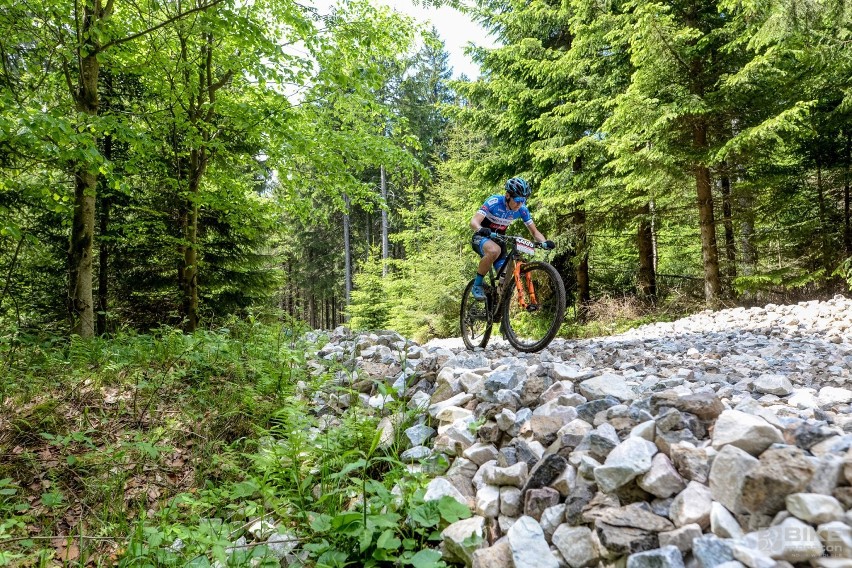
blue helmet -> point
(518, 187)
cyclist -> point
(495, 216)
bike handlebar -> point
(516, 238)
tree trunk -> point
(584, 296)
(190, 263)
(647, 278)
(653, 209)
(727, 216)
(368, 227)
(823, 229)
(847, 223)
(103, 266)
(706, 221)
(347, 252)
(384, 224)
(80, 299)
(749, 251)
(103, 246)
(80, 255)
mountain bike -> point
(526, 297)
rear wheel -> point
(533, 314)
(475, 320)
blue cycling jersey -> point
(498, 216)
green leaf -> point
(52, 499)
(350, 467)
(426, 558)
(387, 520)
(451, 510)
(388, 541)
(365, 540)
(350, 524)
(427, 514)
(244, 489)
(332, 559)
(320, 522)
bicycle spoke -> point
(535, 310)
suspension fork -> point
(530, 289)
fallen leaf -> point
(69, 554)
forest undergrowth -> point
(164, 449)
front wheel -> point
(475, 320)
(535, 307)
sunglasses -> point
(521, 200)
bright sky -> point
(455, 28)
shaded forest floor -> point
(98, 438)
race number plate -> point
(525, 246)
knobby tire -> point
(535, 329)
(475, 332)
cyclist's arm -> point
(535, 232)
(476, 221)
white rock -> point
(488, 501)
(608, 385)
(440, 487)
(463, 538)
(458, 400)
(551, 518)
(577, 546)
(452, 413)
(646, 430)
(837, 538)
(792, 540)
(829, 396)
(479, 453)
(514, 475)
(563, 372)
(747, 432)
(472, 382)
(529, 548)
(803, 398)
(662, 480)
(380, 401)
(692, 505)
(630, 458)
(752, 558)
(505, 419)
(261, 529)
(773, 384)
(722, 522)
(566, 481)
(510, 501)
(280, 545)
(814, 508)
(727, 475)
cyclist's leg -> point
(489, 251)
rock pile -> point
(723, 439)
